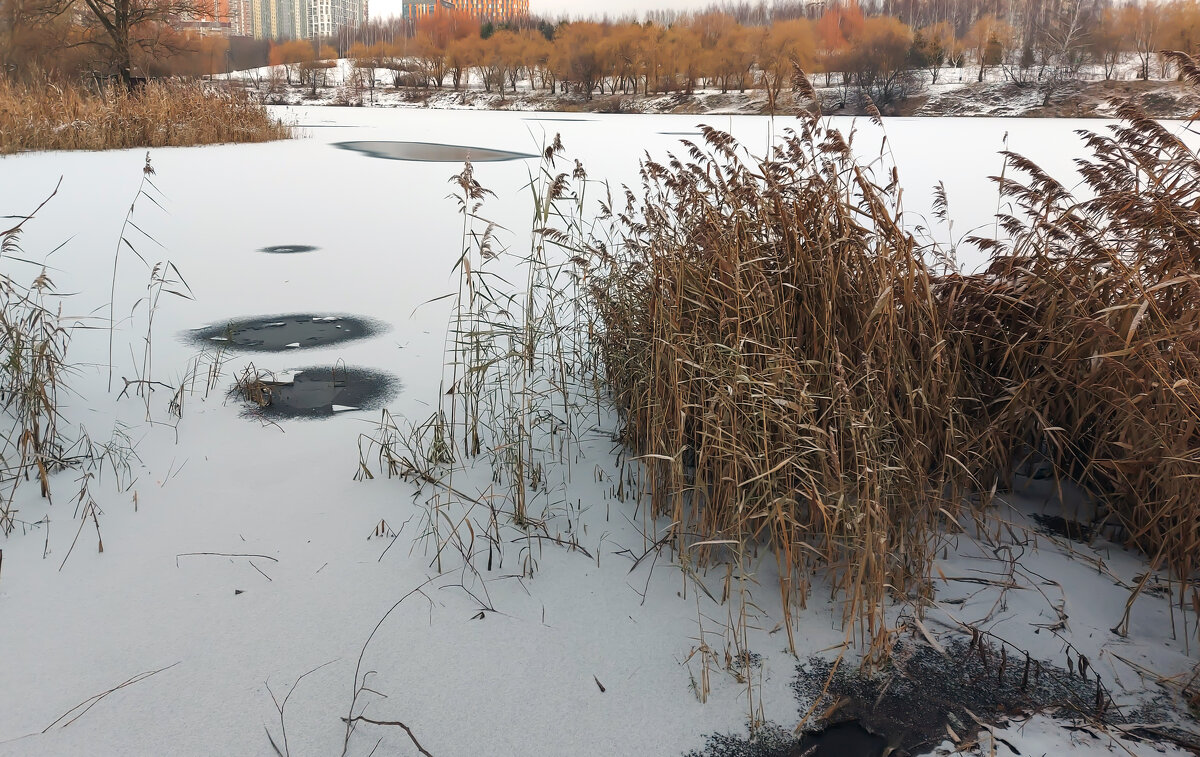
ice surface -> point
(507, 669)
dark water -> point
(1056, 525)
(430, 152)
(323, 392)
(844, 739)
(288, 249)
(848, 739)
(909, 704)
(279, 333)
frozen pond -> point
(386, 230)
(241, 556)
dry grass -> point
(46, 116)
(780, 356)
(1083, 334)
(793, 372)
(33, 346)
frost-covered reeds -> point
(47, 115)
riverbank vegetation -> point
(876, 52)
(47, 116)
(885, 52)
(795, 370)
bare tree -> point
(1065, 44)
(126, 25)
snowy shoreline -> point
(956, 93)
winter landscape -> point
(718, 382)
(244, 563)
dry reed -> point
(1083, 333)
(780, 357)
(794, 372)
(33, 346)
(47, 116)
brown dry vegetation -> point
(794, 372)
(47, 116)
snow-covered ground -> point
(1002, 92)
(241, 561)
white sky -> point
(573, 8)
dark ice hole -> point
(430, 152)
(288, 249)
(280, 333)
(320, 392)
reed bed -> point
(33, 346)
(796, 373)
(795, 370)
(780, 356)
(44, 115)
(1083, 333)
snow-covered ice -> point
(241, 561)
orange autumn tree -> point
(778, 46)
(833, 32)
(291, 55)
(880, 57)
(576, 58)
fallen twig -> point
(220, 554)
(407, 730)
(92, 701)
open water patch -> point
(288, 249)
(924, 691)
(908, 707)
(430, 152)
(313, 393)
(1056, 525)
(843, 739)
(282, 333)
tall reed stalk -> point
(33, 346)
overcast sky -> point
(573, 8)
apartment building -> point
(294, 19)
(484, 10)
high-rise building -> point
(326, 17)
(414, 9)
(294, 19)
(484, 10)
(209, 17)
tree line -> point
(885, 50)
